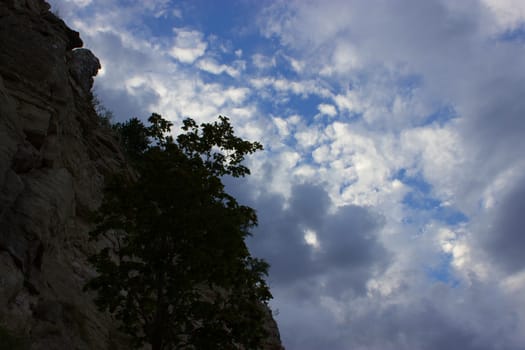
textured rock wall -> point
(54, 158)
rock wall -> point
(53, 160)
(54, 157)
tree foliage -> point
(176, 271)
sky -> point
(391, 191)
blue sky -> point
(391, 189)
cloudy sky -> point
(391, 192)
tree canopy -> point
(175, 270)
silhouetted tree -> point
(177, 272)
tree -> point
(177, 272)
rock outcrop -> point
(53, 161)
(54, 158)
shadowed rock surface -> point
(54, 158)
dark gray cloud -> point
(432, 318)
(466, 319)
(503, 230)
(349, 251)
(424, 326)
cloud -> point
(283, 85)
(188, 45)
(422, 324)
(327, 109)
(503, 229)
(417, 57)
(64, 7)
(509, 13)
(348, 252)
(81, 3)
(211, 66)
(263, 62)
(399, 64)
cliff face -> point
(54, 158)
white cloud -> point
(263, 62)
(211, 66)
(354, 159)
(283, 164)
(158, 8)
(81, 3)
(297, 65)
(327, 109)
(302, 88)
(348, 102)
(177, 13)
(344, 60)
(321, 154)
(282, 126)
(68, 5)
(308, 137)
(509, 14)
(310, 237)
(438, 153)
(188, 45)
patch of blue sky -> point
(450, 215)
(306, 159)
(442, 271)
(350, 116)
(86, 11)
(345, 185)
(440, 116)
(216, 20)
(162, 26)
(222, 78)
(235, 20)
(415, 181)
(408, 83)
(305, 106)
(421, 200)
(284, 65)
(408, 220)
(436, 210)
(420, 216)
(286, 104)
(418, 200)
(228, 17)
(514, 35)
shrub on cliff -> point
(178, 273)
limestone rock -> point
(26, 158)
(11, 280)
(51, 163)
(83, 67)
